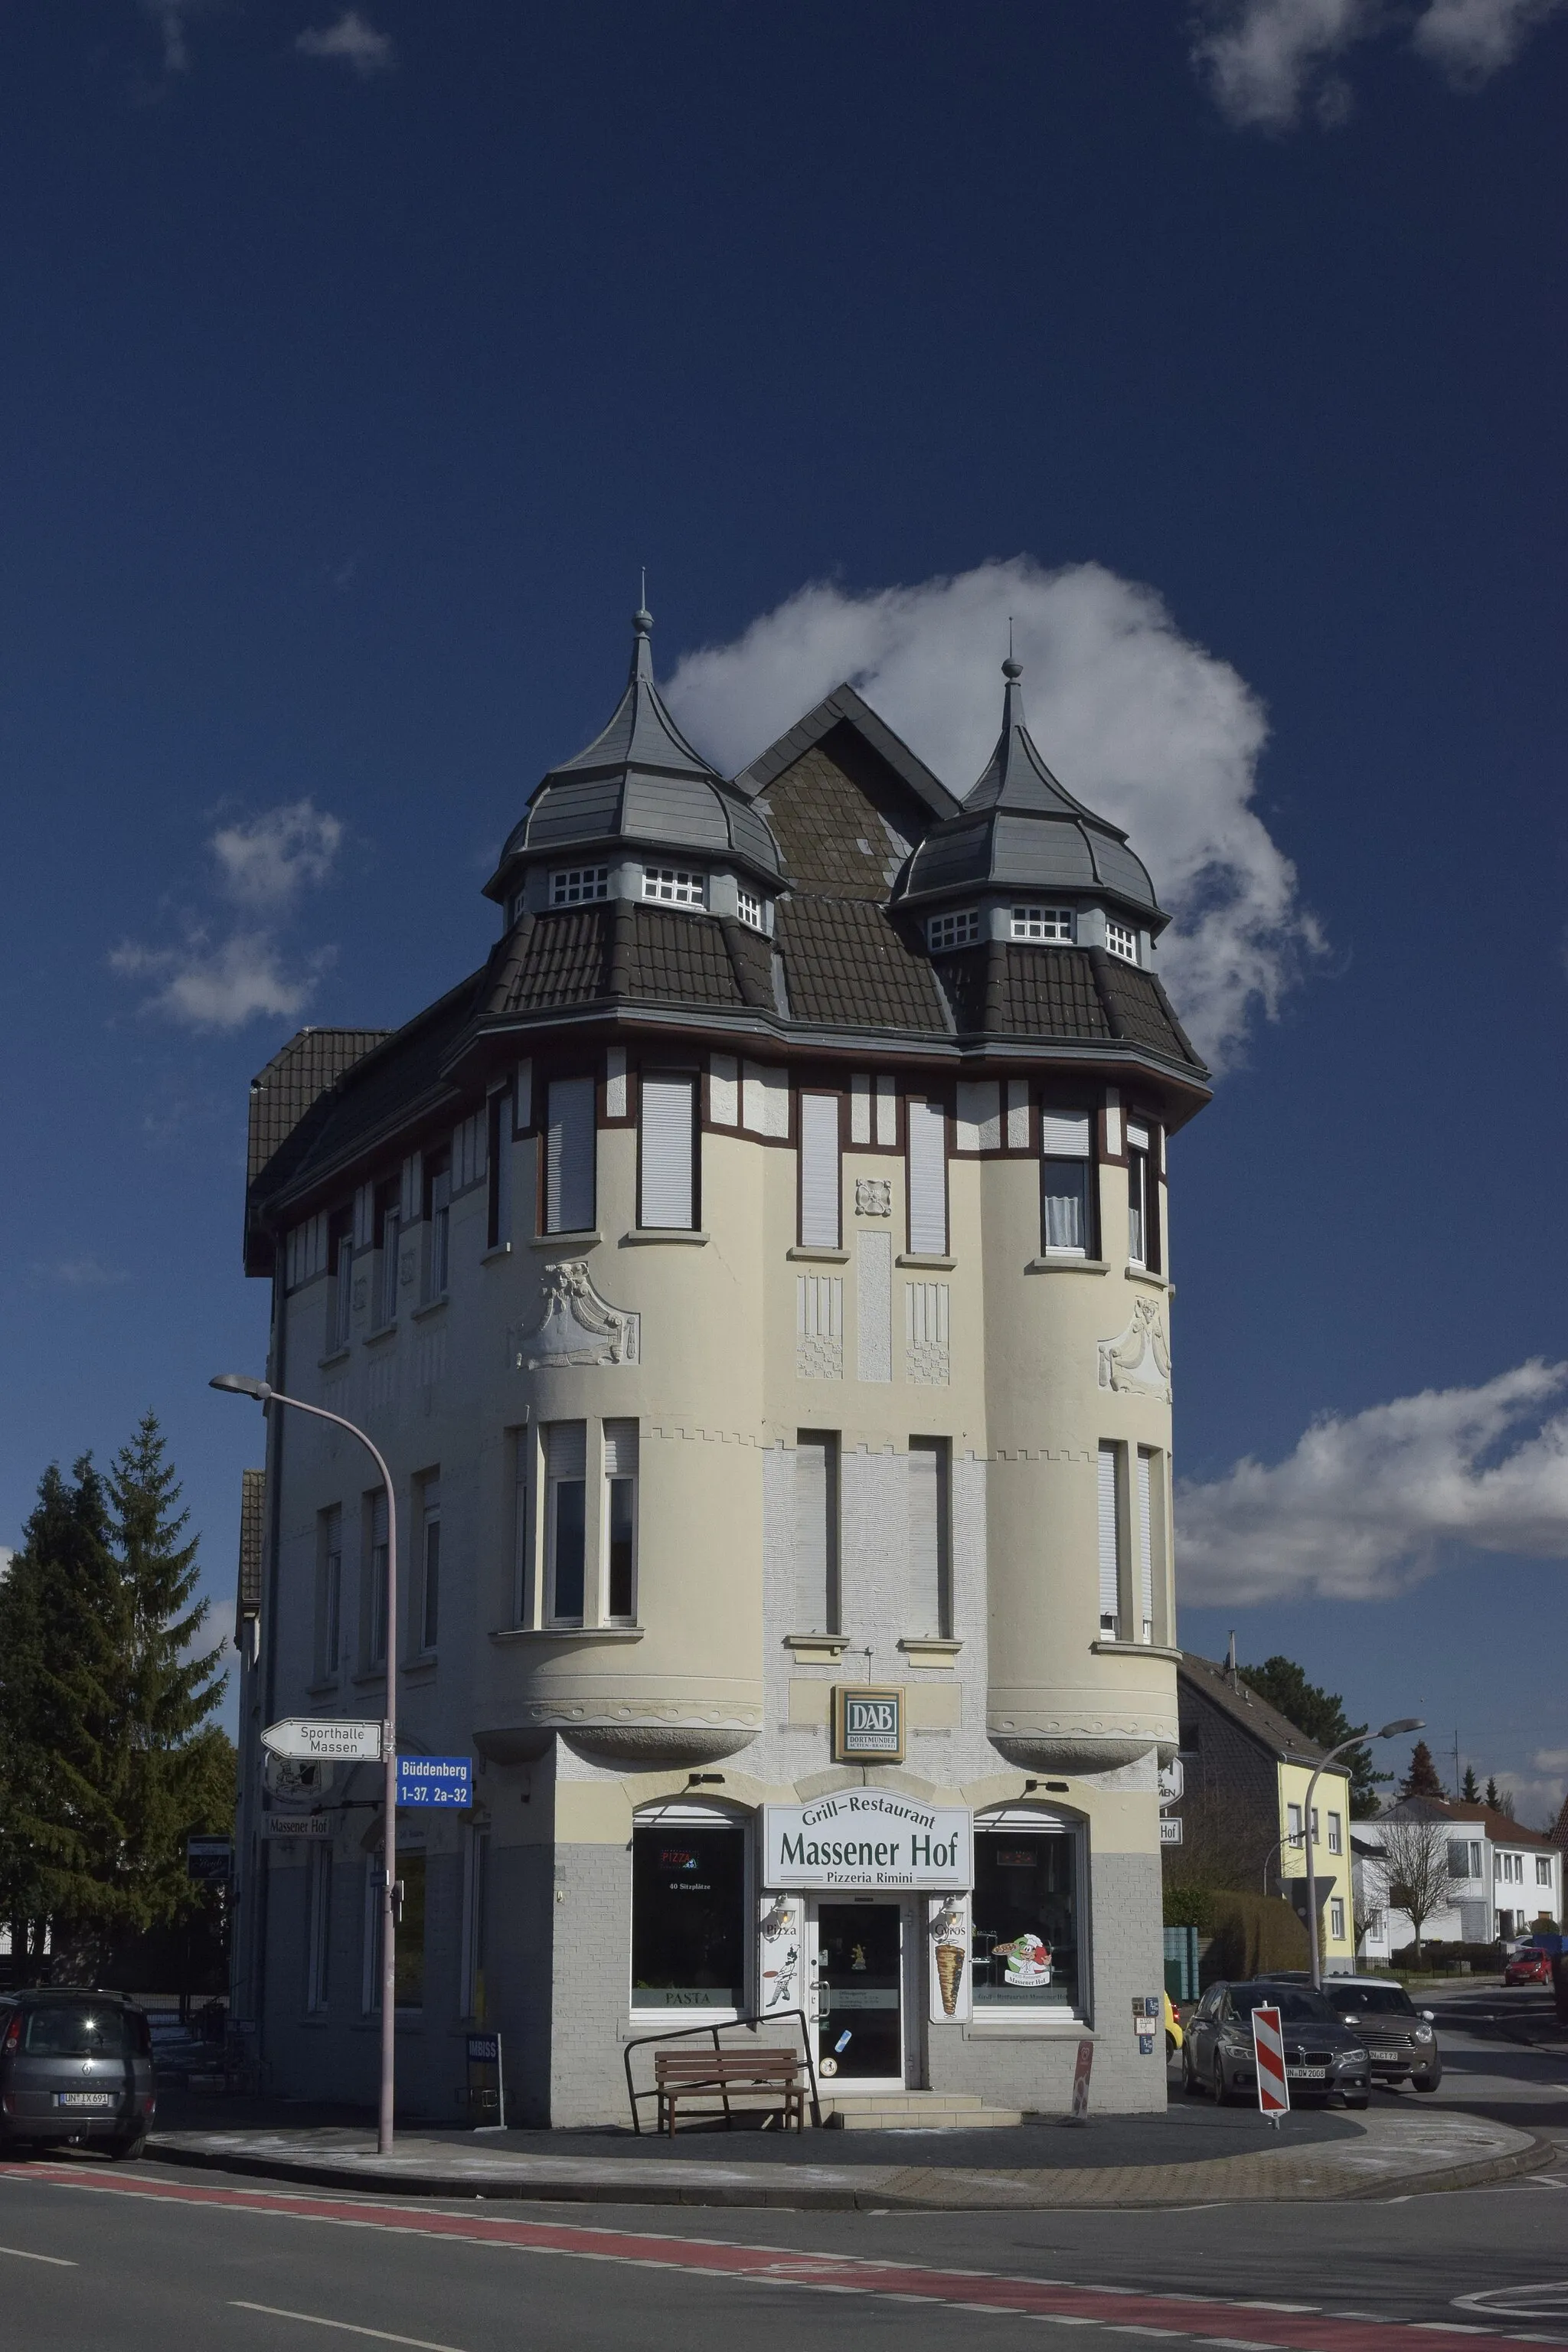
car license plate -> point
(1388, 2057)
(1307, 2073)
(84, 2098)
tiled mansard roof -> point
(835, 820)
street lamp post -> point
(1389, 1732)
(239, 1385)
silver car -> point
(1400, 2038)
(75, 2066)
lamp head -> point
(241, 1384)
(1405, 1723)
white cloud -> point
(351, 40)
(205, 986)
(1551, 1759)
(170, 15)
(1369, 1505)
(1141, 723)
(267, 862)
(1267, 62)
(1470, 40)
(1264, 61)
(79, 1273)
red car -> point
(1527, 1967)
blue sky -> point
(356, 360)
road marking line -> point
(313, 2319)
(1053, 2303)
(22, 2255)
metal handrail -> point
(685, 2032)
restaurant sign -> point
(870, 1838)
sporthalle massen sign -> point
(869, 1838)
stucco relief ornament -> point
(873, 1196)
(578, 1326)
(1138, 1361)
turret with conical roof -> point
(1021, 830)
(638, 785)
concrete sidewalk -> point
(1035, 2168)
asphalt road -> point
(139, 2259)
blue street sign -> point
(435, 1780)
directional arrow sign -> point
(338, 1738)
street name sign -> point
(342, 1738)
(435, 1780)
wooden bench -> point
(713, 2078)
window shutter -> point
(669, 1113)
(566, 1448)
(1109, 1579)
(569, 1157)
(925, 1537)
(620, 1449)
(1064, 1135)
(1137, 1137)
(819, 1184)
(1146, 1542)
(928, 1180)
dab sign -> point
(867, 1725)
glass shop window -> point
(689, 1914)
(1025, 1918)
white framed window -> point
(570, 886)
(621, 1521)
(1042, 923)
(427, 1625)
(1122, 941)
(497, 1201)
(439, 1217)
(1292, 1825)
(319, 1929)
(1317, 1828)
(1464, 1857)
(565, 1516)
(388, 1234)
(341, 1317)
(1337, 1919)
(1543, 1870)
(815, 1609)
(931, 1545)
(1112, 1522)
(1336, 1835)
(676, 886)
(329, 1591)
(820, 1187)
(955, 931)
(750, 908)
(667, 1156)
(1066, 1199)
(470, 1151)
(517, 907)
(1150, 1496)
(927, 1130)
(374, 1612)
(1141, 1248)
(569, 1142)
(305, 1253)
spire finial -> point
(1012, 669)
(642, 629)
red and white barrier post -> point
(1269, 2057)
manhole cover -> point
(1549, 2301)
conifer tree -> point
(1320, 1714)
(1421, 1780)
(1471, 1787)
(1492, 1794)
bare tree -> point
(1416, 1864)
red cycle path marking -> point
(1124, 2309)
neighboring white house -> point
(1503, 1880)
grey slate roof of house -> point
(844, 807)
(1242, 1705)
(1020, 829)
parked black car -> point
(75, 2065)
(1324, 2058)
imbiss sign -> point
(868, 1838)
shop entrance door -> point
(859, 1964)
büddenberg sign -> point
(866, 1838)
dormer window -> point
(570, 886)
(676, 885)
(1042, 923)
(749, 910)
(959, 930)
(1122, 942)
